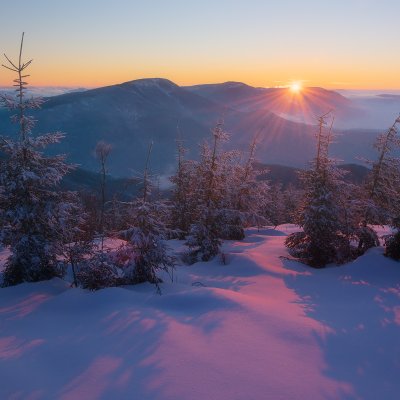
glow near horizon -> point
(334, 44)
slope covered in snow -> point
(259, 327)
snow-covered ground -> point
(259, 327)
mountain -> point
(228, 93)
(124, 188)
(132, 114)
(128, 116)
(43, 91)
(289, 176)
(82, 180)
(300, 106)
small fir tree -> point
(323, 239)
(224, 196)
(102, 152)
(291, 199)
(33, 213)
(183, 201)
(379, 199)
(204, 238)
(381, 187)
(145, 252)
(275, 207)
(250, 194)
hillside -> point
(303, 105)
(132, 114)
(289, 175)
(260, 327)
(84, 180)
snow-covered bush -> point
(392, 246)
(98, 272)
(144, 255)
(78, 241)
(367, 238)
(231, 223)
(204, 238)
(145, 252)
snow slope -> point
(260, 327)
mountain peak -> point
(234, 84)
(152, 82)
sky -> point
(349, 44)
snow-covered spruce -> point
(98, 272)
(203, 240)
(34, 216)
(183, 196)
(145, 252)
(223, 195)
(324, 238)
(248, 194)
(213, 177)
(380, 195)
(144, 231)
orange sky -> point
(337, 77)
(350, 44)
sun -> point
(295, 87)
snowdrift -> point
(260, 327)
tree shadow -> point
(359, 303)
(106, 344)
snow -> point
(163, 85)
(260, 327)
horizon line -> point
(89, 87)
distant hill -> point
(302, 106)
(290, 176)
(124, 188)
(128, 116)
(132, 114)
(81, 180)
(44, 91)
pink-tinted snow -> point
(260, 327)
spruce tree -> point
(102, 152)
(291, 199)
(205, 233)
(250, 194)
(323, 239)
(379, 200)
(382, 184)
(34, 215)
(183, 200)
(275, 207)
(225, 196)
(145, 252)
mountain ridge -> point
(131, 114)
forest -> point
(212, 199)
